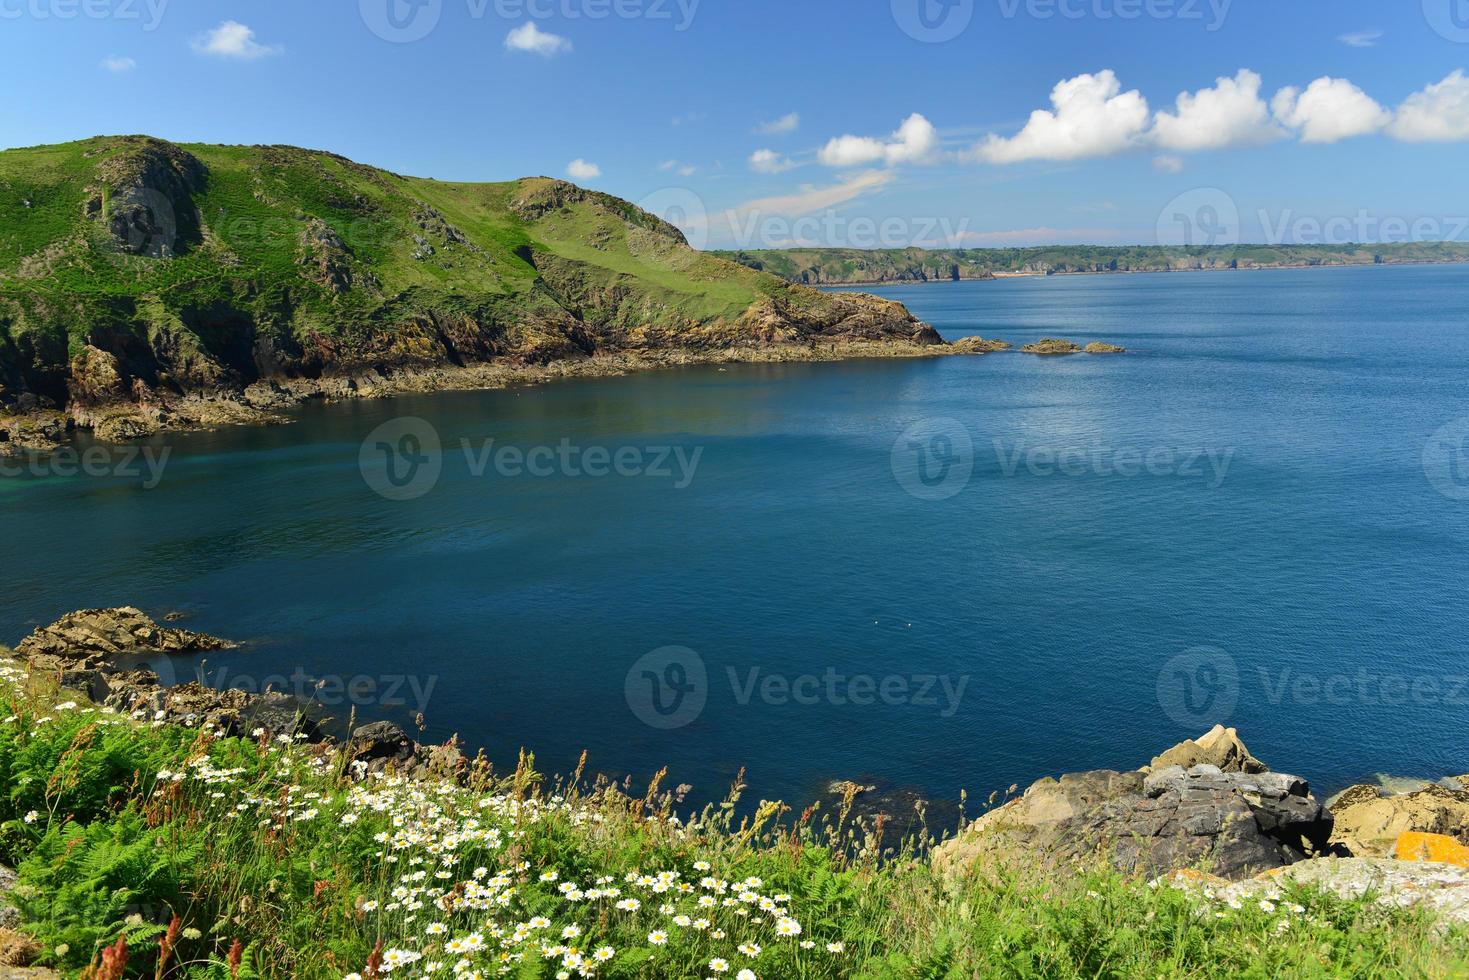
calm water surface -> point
(1323, 571)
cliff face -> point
(137, 275)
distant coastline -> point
(884, 267)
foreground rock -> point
(1441, 888)
(94, 638)
(1235, 824)
(1368, 824)
(1220, 747)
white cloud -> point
(234, 40)
(530, 38)
(1330, 110)
(1168, 164)
(915, 141)
(580, 169)
(811, 198)
(1093, 117)
(770, 162)
(1229, 114)
(678, 167)
(1439, 113)
(788, 123)
(1361, 39)
(117, 63)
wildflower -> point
(571, 932)
(658, 938)
(32, 817)
(629, 905)
(603, 954)
(750, 949)
(1267, 906)
(718, 965)
(836, 947)
(369, 906)
(436, 929)
(788, 927)
(701, 865)
(745, 975)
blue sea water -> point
(959, 572)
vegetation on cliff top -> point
(837, 266)
(131, 268)
(199, 855)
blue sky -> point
(668, 101)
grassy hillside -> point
(134, 270)
(835, 266)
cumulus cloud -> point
(916, 141)
(1091, 117)
(1329, 110)
(580, 169)
(1229, 114)
(234, 40)
(531, 39)
(788, 123)
(770, 162)
(1439, 113)
(117, 63)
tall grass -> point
(186, 854)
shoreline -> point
(264, 402)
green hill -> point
(139, 278)
(846, 266)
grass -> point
(218, 857)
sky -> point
(857, 123)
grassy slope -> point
(116, 827)
(324, 260)
(858, 265)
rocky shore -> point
(1205, 813)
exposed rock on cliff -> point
(1369, 824)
